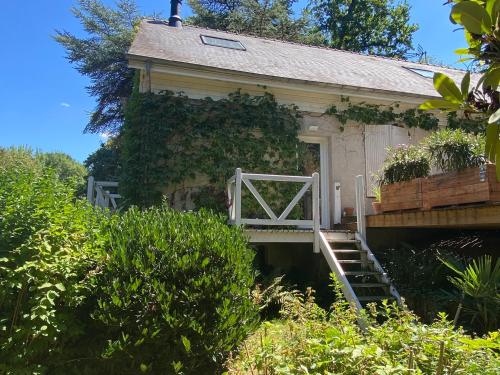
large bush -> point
(175, 291)
(48, 249)
(84, 292)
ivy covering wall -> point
(175, 144)
(186, 149)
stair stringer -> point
(332, 261)
(378, 268)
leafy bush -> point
(309, 340)
(82, 292)
(453, 150)
(175, 291)
(479, 285)
(48, 249)
(405, 163)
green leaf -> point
(462, 51)
(495, 117)
(60, 287)
(447, 88)
(186, 343)
(45, 286)
(492, 131)
(472, 16)
(465, 86)
(493, 8)
(144, 367)
(491, 78)
(439, 104)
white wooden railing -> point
(361, 236)
(99, 194)
(241, 179)
(360, 206)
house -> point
(209, 63)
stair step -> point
(361, 273)
(347, 251)
(354, 261)
(369, 285)
(344, 241)
(374, 298)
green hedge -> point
(84, 292)
(175, 291)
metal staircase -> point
(362, 277)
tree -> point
(263, 18)
(480, 20)
(104, 163)
(101, 56)
(380, 27)
(64, 166)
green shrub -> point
(175, 291)
(478, 283)
(453, 150)
(83, 292)
(405, 163)
(48, 249)
(308, 341)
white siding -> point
(377, 139)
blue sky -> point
(43, 101)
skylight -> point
(422, 72)
(221, 42)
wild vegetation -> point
(310, 340)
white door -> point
(319, 147)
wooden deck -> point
(485, 216)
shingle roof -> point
(156, 40)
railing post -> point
(315, 211)
(360, 206)
(230, 200)
(90, 189)
(237, 198)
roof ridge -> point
(313, 46)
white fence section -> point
(99, 194)
(241, 179)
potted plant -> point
(401, 178)
(377, 203)
(466, 176)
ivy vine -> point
(169, 139)
(375, 114)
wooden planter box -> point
(462, 187)
(402, 196)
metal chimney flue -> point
(175, 19)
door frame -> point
(324, 175)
